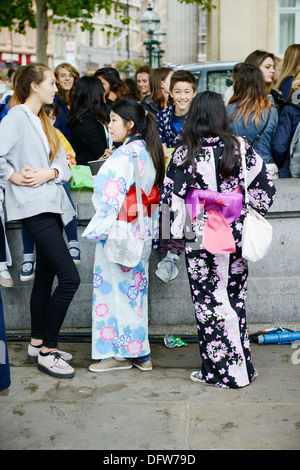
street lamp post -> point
(160, 35)
(150, 23)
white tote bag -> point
(122, 247)
(257, 231)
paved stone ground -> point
(158, 410)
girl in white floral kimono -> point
(120, 296)
(205, 183)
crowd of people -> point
(188, 158)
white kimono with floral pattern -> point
(120, 296)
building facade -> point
(233, 30)
(85, 50)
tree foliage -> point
(15, 14)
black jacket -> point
(89, 139)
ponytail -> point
(145, 125)
(153, 143)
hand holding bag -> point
(121, 246)
(81, 177)
(257, 231)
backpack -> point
(3, 106)
(295, 153)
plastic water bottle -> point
(172, 342)
(282, 337)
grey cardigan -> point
(21, 145)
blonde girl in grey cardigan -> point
(34, 165)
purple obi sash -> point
(222, 209)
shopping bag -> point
(81, 177)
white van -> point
(213, 76)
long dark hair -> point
(112, 76)
(207, 117)
(88, 97)
(249, 95)
(145, 125)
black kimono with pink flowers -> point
(218, 281)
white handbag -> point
(121, 246)
(257, 231)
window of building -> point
(288, 24)
(202, 53)
(91, 38)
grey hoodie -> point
(22, 145)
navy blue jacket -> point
(288, 121)
(4, 361)
(285, 87)
(61, 119)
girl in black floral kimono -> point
(205, 187)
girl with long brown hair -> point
(159, 98)
(114, 88)
(252, 115)
(66, 78)
(266, 61)
(35, 167)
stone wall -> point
(273, 286)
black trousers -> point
(48, 309)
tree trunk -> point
(42, 31)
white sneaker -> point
(144, 366)
(167, 270)
(54, 365)
(5, 279)
(33, 353)
(27, 271)
(110, 364)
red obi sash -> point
(128, 211)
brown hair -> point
(156, 77)
(249, 94)
(35, 73)
(257, 58)
(116, 85)
(290, 62)
(143, 69)
(67, 98)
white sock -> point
(73, 244)
(28, 257)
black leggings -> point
(48, 310)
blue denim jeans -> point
(144, 358)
